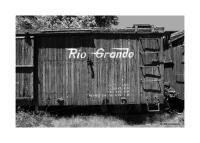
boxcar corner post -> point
(35, 75)
(138, 103)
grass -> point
(28, 119)
(89, 121)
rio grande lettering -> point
(100, 53)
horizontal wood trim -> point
(22, 37)
(24, 66)
(18, 98)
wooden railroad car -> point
(91, 67)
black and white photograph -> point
(99, 71)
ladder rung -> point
(157, 94)
(151, 80)
(148, 52)
(148, 66)
(153, 110)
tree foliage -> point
(40, 23)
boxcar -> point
(174, 63)
(91, 67)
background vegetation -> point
(40, 23)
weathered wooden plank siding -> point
(179, 70)
(91, 80)
(24, 67)
(24, 51)
(174, 71)
(87, 81)
(24, 85)
(151, 70)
